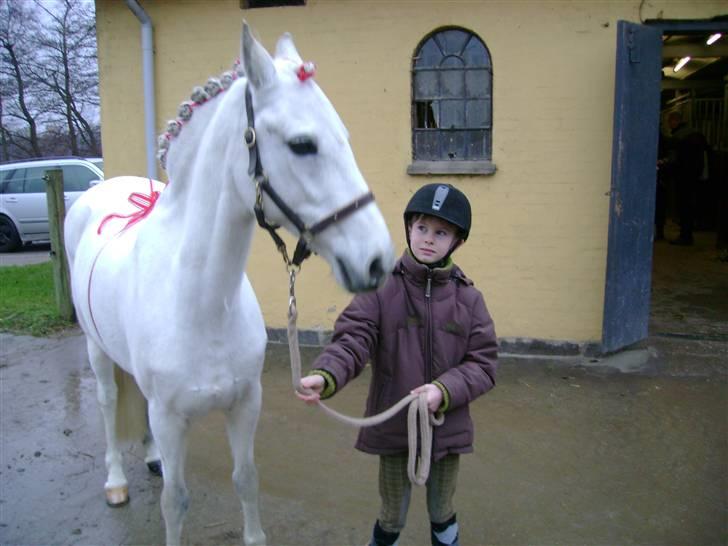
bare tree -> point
(48, 79)
(4, 136)
(20, 118)
(69, 70)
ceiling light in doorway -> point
(713, 38)
(682, 62)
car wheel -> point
(9, 238)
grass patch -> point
(28, 301)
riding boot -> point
(380, 537)
(445, 534)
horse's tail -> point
(131, 408)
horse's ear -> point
(285, 49)
(257, 63)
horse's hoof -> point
(155, 467)
(117, 496)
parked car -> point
(23, 206)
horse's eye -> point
(303, 146)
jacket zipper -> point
(428, 329)
(428, 342)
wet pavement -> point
(567, 452)
(29, 254)
(629, 450)
(689, 289)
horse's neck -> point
(214, 223)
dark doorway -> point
(690, 260)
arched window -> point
(452, 104)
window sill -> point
(423, 168)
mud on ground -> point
(565, 454)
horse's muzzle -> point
(370, 279)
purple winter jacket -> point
(423, 325)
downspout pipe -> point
(150, 115)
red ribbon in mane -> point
(305, 71)
(145, 204)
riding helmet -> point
(442, 201)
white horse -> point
(160, 288)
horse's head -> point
(305, 153)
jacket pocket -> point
(451, 344)
(382, 388)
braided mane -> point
(199, 96)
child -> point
(426, 330)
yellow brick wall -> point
(539, 239)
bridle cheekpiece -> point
(262, 185)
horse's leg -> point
(152, 458)
(170, 431)
(117, 489)
(241, 422)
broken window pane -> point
(425, 115)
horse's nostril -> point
(357, 281)
(376, 271)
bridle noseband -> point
(262, 185)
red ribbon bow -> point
(145, 204)
(305, 71)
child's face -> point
(431, 238)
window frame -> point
(480, 166)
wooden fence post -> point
(56, 216)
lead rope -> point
(418, 468)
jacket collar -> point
(418, 272)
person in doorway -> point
(426, 330)
(688, 147)
(661, 189)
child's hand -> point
(434, 396)
(314, 383)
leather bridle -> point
(262, 185)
